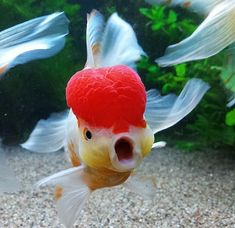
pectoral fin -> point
(71, 193)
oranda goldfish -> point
(214, 34)
(111, 123)
(38, 38)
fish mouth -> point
(124, 150)
(124, 155)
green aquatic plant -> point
(32, 91)
(212, 123)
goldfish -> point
(38, 38)
(110, 125)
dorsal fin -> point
(94, 33)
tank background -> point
(32, 91)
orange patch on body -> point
(3, 69)
(58, 192)
(73, 155)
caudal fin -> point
(164, 111)
(113, 44)
(48, 135)
(71, 193)
(38, 38)
(215, 33)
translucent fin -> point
(160, 144)
(8, 181)
(231, 102)
(48, 135)
(164, 111)
(143, 186)
(71, 194)
(94, 33)
(228, 73)
(119, 44)
(38, 38)
(215, 33)
(201, 7)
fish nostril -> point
(123, 149)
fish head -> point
(109, 104)
(124, 151)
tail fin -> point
(48, 135)
(116, 44)
(164, 111)
(71, 193)
(38, 38)
(228, 73)
(198, 6)
(8, 181)
(215, 33)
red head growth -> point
(111, 97)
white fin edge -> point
(218, 26)
(38, 38)
(48, 135)
(159, 145)
(163, 112)
(143, 186)
(94, 33)
(73, 194)
(119, 44)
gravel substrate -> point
(194, 190)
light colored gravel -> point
(194, 190)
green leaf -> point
(180, 70)
(230, 118)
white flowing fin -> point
(228, 73)
(71, 194)
(94, 33)
(158, 145)
(231, 102)
(8, 181)
(38, 38)
(215, 33)
(119, 44)
(164, 111)
(201, 7)
(143, 186)
(48, 135)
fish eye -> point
(87, 134)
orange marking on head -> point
(58, 192)
(73, 156)
(187, 4)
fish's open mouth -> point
(124, 150)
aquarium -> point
(117, 113)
